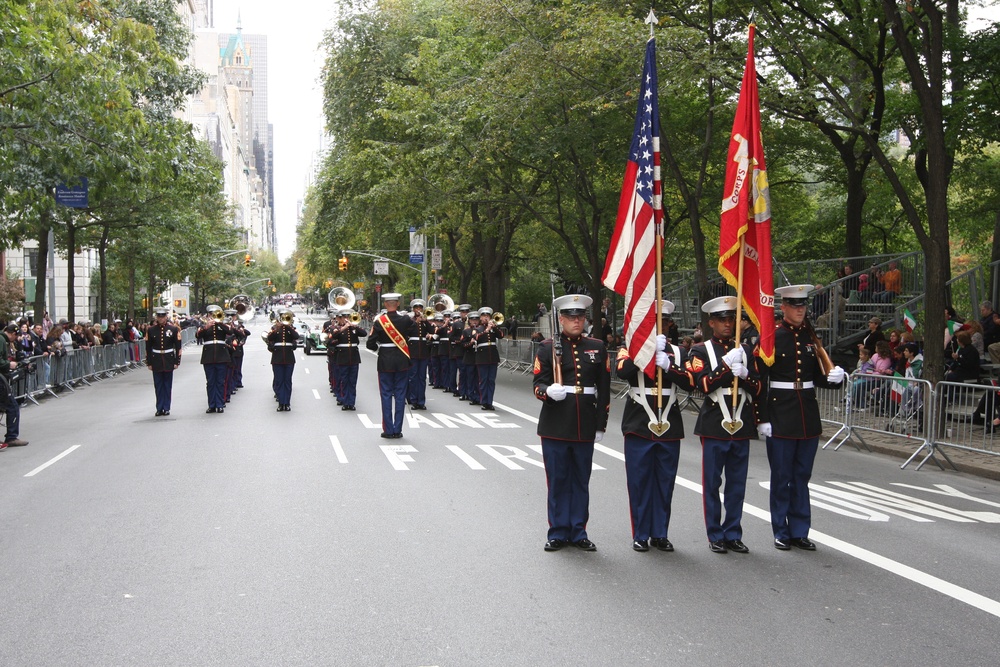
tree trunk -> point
(70, 271)
(102, 251)
(131, 291)
(42, 264)
(995, 261)
(855, 205)
(151, 285)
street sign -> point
(186, 284)
(73, 197)
(380, 268)
(359, 285)
(436, 259)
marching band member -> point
(389, 336)
(574, 416)
(651, 456)
(456, 351)
(434, 361)
(420, 352)
(346, 341)
(469, 387)
(790, 421)
(163, 356)
(282, 343)
(215, 358)
(445, 369)
(725, 433)
(487, 356)
(239, 342)
(331, 350)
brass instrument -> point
(440, 302)
(497, 318)
(354, 317)
(287, 318)
(340, 297)
(216, 313)
(243, 306)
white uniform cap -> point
(794, 295)
(391, 296)
(666, 307)
(464, 308)
(485, 310)
(720, 306)
(417, 302)
(572, 304)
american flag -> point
(630, 268)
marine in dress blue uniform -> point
(487, 356)
(420, 354)
(240, 336)
(346, 341)
(725, 433)
(163, 355)
(215, 358)
(455, 350)
(651, 457)
(444, 351)
(389, 337)
(282, 341)
(789, 418)
(232, 341)
(331, 350)
(574, 416)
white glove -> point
(598, 435)
(739, 370)
(661, 343)
(556, 392)
(735, 356)
(663, 360)
(836, 375)
(764, 429)
(434, 336)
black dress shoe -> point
(351, 408)
(159, 413)
(339, 402)
(281, 408)
(554, 545)
(487, 407)
(718, 547)
(166, 413)
(397, 435)
(782, 545)
(662, 543)
(220, 410)
(472, 402)
(640, 545)
(803, 543)
(737, 547)
(345, 407)
(586, 545)
(209, 411)
(386, 435)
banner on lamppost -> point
(416, 247)
(380, 268)
(73, 196)
(436, 259)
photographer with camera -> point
(8, 403)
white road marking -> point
(398, 455)
(513, 453)
(51, 461)
(338, 450)
(306, 370)
(316, 394)
(905, 571)
(516, 413)
(468, 460)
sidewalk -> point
(967, 461)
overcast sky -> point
(294, 30)
(295, 101)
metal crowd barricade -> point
(965, 414)
(833, 411)
(893, 407)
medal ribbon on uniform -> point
(393, 333)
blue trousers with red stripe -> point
(731, 457)
(568, 464)
(416, 391)
(392, 390)
(650, 472)
(791, 464)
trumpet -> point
(287, 318)
(354, 317)
(497, 318)
(216, 313)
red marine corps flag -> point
(630, 268)
(745, 234)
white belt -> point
(791, 385)
(581, 390)
(415, 338)
(651, 391)
(346, 345)
(479, 345)
(213, 342)
(282, 344)
(387, 345)
(163, 351)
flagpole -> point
(739, 316)
(651, 20)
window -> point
(30, 262)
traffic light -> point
(342, 263)
(269, 282)
(247, 260)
